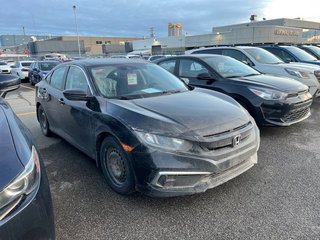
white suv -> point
(265, 62)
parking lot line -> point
(25, 113)
(27, 87)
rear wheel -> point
(31, 80)
(44, 124)
(116, 167)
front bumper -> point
(33, 219)
(286, 112)
(169, 174)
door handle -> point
(61, 101)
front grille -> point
(317, 74)
(5, 71)
(226, 139)
(296, 115)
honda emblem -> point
(236, 140)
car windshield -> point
(301, 54)
(135, 80)
(314, 49)
(229, 67)
(3, 63)
(47, 66)
(263, 56)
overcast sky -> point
(136, 17)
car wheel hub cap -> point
(116, 166)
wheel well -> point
(99, 141)
(247, 105)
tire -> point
(31, 80)
(116, 167)
(44, 124)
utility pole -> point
(75, 19)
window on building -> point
(99, 42)
(107, 42)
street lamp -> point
(75, 19)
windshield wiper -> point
(252, 74)
(171, 91)
(233, 76)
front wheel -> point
(116, 167)
(44, 124)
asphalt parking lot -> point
(276, 199)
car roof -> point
(199, 56)
(93, 62)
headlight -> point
(269, 94)
(22, 185)
(297, 73)
(168, 143)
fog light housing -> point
(178, 179)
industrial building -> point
(255, 32)
(275, 31)
(15, 40)
(88, 45)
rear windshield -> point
(47, 66)
(26, 64)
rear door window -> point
(57, 78)
(190, 68)
(168, 65)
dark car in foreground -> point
(39, 69)
(145, 128)
(25, 201)
(269, 99)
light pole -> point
(75, 19)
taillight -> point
(25, 69)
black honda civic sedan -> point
(145, 128)
(271, 100)
(25, 200)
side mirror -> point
(205, 76)
(249, 63)
(8, 83)
(76, 95)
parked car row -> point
(267, 63)
(271, 100)
(29, 70)
(176, 129)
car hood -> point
(302, 66)
(189, 115)
(10, 165)
(285, 84)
